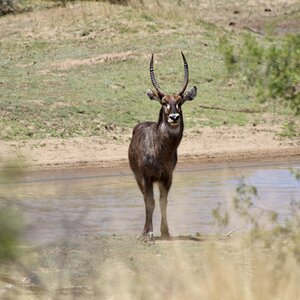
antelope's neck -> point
(170, 137)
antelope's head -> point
(171, 104)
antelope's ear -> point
(190, 94)
(153, 95)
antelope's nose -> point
(174, 117)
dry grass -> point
(125, 268)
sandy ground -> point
(208, 145)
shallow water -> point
(61, 204)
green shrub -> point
(281, 236)
(272, 67)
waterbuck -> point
(153, 148)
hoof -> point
(164, 234)
(149, 234)
(166, 237)
(147, 237)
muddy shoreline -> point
(207, 160)
(221, 145)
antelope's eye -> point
(166, 105)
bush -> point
(120, 2)
(273, 68)
(278, 235)
(8, 6)
(16, 6)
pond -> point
(61, 204)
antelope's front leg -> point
(163, 202)
(149, 208)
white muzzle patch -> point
(173, 119)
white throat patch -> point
(173, 129)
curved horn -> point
(153, 80)
(186, 75)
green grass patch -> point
(56, 83)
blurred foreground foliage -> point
(272, 67)
(279, 235)
(11, 224)
(10, 229)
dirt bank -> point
(208, 145)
